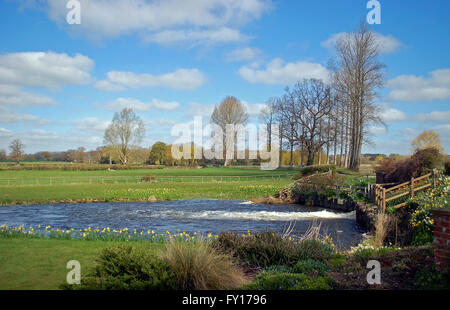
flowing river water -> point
(199, 215)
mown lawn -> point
(244, 190)
(41, 263)
(220, 171)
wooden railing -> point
(380, 194)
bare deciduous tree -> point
(314, 106)
(229, 112)
(125, 131)
(17, 152)
(357, 76)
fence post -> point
(384, 200)
(412, 187)
(433, 174)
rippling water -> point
(187, 215)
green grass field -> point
(162, 191)
(37, 186)
(222, 171)
(41, 263)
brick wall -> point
(441, 235)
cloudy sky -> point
(171, 60)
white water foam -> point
(246, 203)
(255, 215)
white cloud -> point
(244, 54)
(254, 108)
(387, 43)
(164, 105)
(187, 79)
(39, 134)
(197, 18)
(419, 88)
(9, 116)
(390, 114)
(44, 69)
(5, 133)
(377, 130)
(91, 125)
(198, 109)
(14, 96)
(108, 86)
(434, 116)
(443, 129)
(278, 72)
(410, 131)
(195, 37)
(140, 106)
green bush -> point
(274, 280)
(310, 266)
(267, 248)
(420, 207)
(314, 249)
(279, 268)
(431, 279)
(261, 249)
(309, 170)
(125, 267)
(148, 178)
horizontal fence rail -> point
(381, 194)
(137, 179)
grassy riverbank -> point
(244, 190)
(41, 263)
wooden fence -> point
(381, 194)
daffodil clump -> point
(258, 190)
(142, 194)
(106, 233)
(422, 204)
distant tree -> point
(427, 139)
(2, 155)
(158, 153)
(268, 117)
(125, 131)
(229, 112)
(45, 156)
(16, 148)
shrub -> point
(201, 267)
(148, 178)
(320, 184)
(269, 248)
(125, 267)
(261, 249)
(420, 163)
(279, 268)
(431, 279)
(310, 266)
(314, 249)
(420, 207)
(309, 170)
(273, 280)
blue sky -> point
(60, 84)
